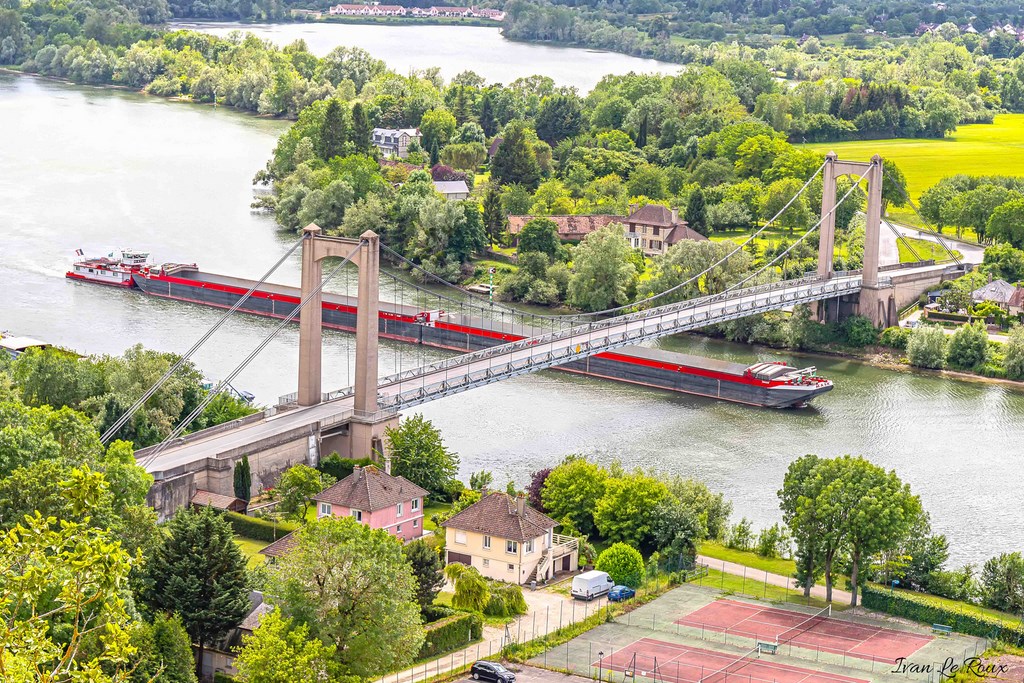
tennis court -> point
(657, 660)
(815, 632)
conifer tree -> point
(362, 133)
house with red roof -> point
(377, 499)
(654, 228)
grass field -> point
(251, 549)
(975, 149)
(775, 565)
(737, 585)
(925, 249)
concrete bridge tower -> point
(876, 301)
(366, 430)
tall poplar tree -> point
(362, 132)
(494, 216)
(487, 120)
(333, 132)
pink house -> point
(377, 499)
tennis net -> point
(722, 675)
(804, 626)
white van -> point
(590, 585)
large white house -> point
(394, 142)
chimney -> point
(675, 216)
(632, 209)
(358, 471)
(387, 464)
(521, 505)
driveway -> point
(529, 674)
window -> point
(398, 529)
(399, 506)
(487, 542)
(487, 563)
(415, 523)
(528, 548)
(358, 514)
(415, 504)
(325, 509)
(511, 547)
(511, 567)
(460, 537)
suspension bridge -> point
(352, 420)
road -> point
(889, 252)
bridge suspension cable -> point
(653, 297)
(183, 425)
(127, 415)
(938, 233)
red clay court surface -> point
(682, 664)
(824, 634)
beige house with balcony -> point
(506, 539)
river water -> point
(96, 169)
(454, 49)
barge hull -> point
(634, 365)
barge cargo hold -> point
(775, 385)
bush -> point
(258, 529)
(740, 536)
(773, 541)
(339, 467)
(859, 331)
(624, 564)
(968, 347)
(895, 337)
(506, 600)
(451, 633)
(432, 613)
(920, 608)
(955, 585)
(221, 677)
(926, 347)
(1014, 361)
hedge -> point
(920, 608)
(258, 529)
(451, 633)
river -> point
(453, 49)
(96, 169)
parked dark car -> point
(620, 593)
(491, 671)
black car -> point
(491, 671)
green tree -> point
(515, 161)
(572, 490)
(199, 572)
(1002, 580)
(362, 131)
(603, 272)
(281, 651)
(968, 347)
(427, 569)
(697, 212)
(559, 117)
(648, 180)
(243, 479)
(333, 137)
(467, 156)
(796, 498)
(298, 485)
(480, 481)
(486, 118)
(164, 651)
(540, 235)
(882, 511)
(61, 587)
(55, 378)
(419, 454)
(437, 127)
(1007, 223)
(1014, 359)
(1004, 261)
(625, 512)
(677, 529)
(352, 586)
(472, 591)
(712, 509)
(926, 347)
(493, 215)
(516, 200)
(624, 564)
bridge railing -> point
(558, 349)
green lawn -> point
(431, 510)
(924, 249)
(737, 585)
(750, 559)
(975, 149)
(251, 549)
